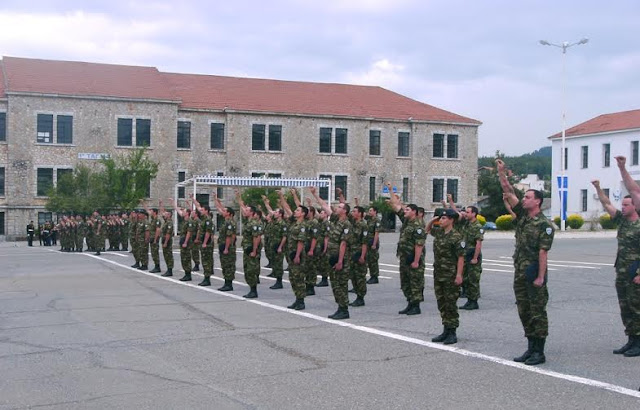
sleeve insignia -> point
(549, 230)
(481, 230)
(315, 230)
(419, 231)
(259, 228)
(364, 233)
(229, 227)
(255, 228)
(346, 231)
(463, 244)
(284, 229)
(377, 223)
(208, 223)
(328, 228)
(302, 229)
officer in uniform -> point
(359, 246)
(207, 229)
(31, 230)
(296, 238)
(251, 244)
(323, 259)
(143, 237)
(187, 231)
(373, 251)
(448, 267)
(226, 244)
(534, 237)
(155, 236)
(167, 241)
(473, 237)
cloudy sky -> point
(478, 58)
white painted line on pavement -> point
(571, 262)
(467, 353)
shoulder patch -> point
(346, 230)
(328, 228)
(364, 233)
(549, 230)
(377, 223)
(302, 229)
(419, 231)
(481, 230)
(284, 229)
(255, 228)
(315, 230)
(228, 226)
(259, 228)
(208, 223)
(463, 244)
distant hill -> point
(542, 152)
(536, 162)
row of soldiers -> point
(95, 230)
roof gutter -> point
(93, 97)
(595, 134)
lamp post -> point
(563, 185)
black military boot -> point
(228, 285)
(186, 277)
(310, 290)
(634, 350)
(323, 282)
(414, 309)
(277, 285)
(522, 358)
(470, 305)
(253, 293)
(626, 347)
(97, 253)
(156, 269)
(358, 302)
(135, 265)
(451, 338)
(196, 268)
(297, 305)
(271, 275)
(341, 313)
(372, 280)
(442, 336)
(268, 265)
(143, 267)
(537, 356)
(405, 310)
(352, 290)
(205, 282)
(168, 273)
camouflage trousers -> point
(228, 264)
(297, 278)
(251, 267)
(195, 253)
(373, 255)
(124, 241)
(277, 263)
(143, 253)
(629, 301)
(532, 304)
(358, 276)
(134, 248)
(207, 260)
(310, 266)
(339, 280)
(269, 252)
(155, 252)
(324, 269)
(471, 280)
(167, 253)
(447, 293)
(98, 244)
(185, 257)
(79, 242)
(412, 280)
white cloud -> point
(382, 73)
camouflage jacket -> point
(447, 248)
(532, 235)
(628, 241)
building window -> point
(275, 137)
(45, 128)
(403, 144)
(438, 145)
(452, 189)
(61, 172)
(44, 182)
(324, 191)
(606, 192)
(606, 153)
(372, 189)
(65, 129)
(341, 182)
(585, 156)
(438, 190)
(341, 141)
(44, 217)
(219, 189)
(217, 135)
(182, 176)
(325, 140)
(125, 132)
(634, 152)
(452, 146)
(143, 133)
(374, 142)
(405, 190)
(583, 196)
(1, 223)
(566, 158)
(257, 137)
(184, 134)
(1, 181)
(3, 126)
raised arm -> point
(341, 197)
(604, 200)
(179, 210)
(239, 199)
(217, 201)
(394, 200)
(629, 183)
(284, 204)
(507, 206)
(266, 203)
(507, 189)
(296, 200)
(322, 202)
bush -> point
(504, 223)
(481, 219)
(607, 223)
(556, 220)
(575, 221)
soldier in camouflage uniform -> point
(324, 269)
(98, 232)
(448, 266)
(187, 231)
(312, 249)
(251, 244)
(195, 250)
(133, 229)
(359, 246)
(534, 237)
(279, 231)
(473, 237)
(269, 225)
(339, 253)
(80, 232)
(207, 229)
(226, 244)
(124, 232)
(167, 241)
(296, 237)
(373, 252)
(143, 237)
(155, 236)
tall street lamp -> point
(563, 183)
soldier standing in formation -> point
(167, 240)
(534, 237)
(373, 251)
(359, 247)
(251, 244)
(226, 244)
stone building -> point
(57, 114)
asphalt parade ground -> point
(79, 331)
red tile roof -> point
(209, 92)
(84, 79)
(294, 97)
(617, 121)
(2, 80)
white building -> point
(532, 181)
(590, 149)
